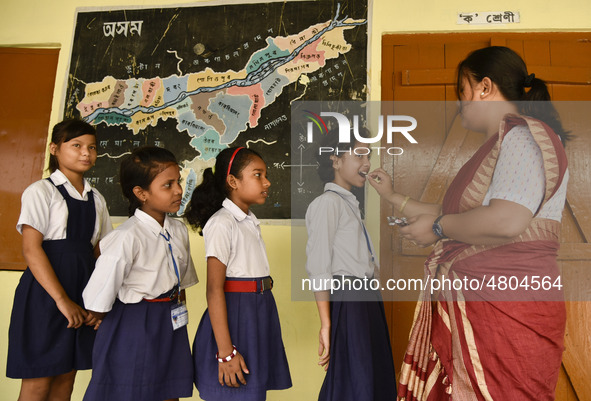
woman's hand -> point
(230, 372)
(324, 347)
(419, 230)
(75, 314)
(382, 182)
(404, 205)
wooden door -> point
(27, 79)
(422, 67)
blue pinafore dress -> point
(39, 342)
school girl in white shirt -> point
(142, 347)
(62, 219)
(238, 351)
(354, 339)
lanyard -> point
(176, 270)
(360, 221)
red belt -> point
(259, 285)
(168, 297)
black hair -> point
(65, 131)
(508, 71)
(208, 197)
(331, 140)
(140, 168)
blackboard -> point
(199, 79)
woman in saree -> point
(498, 226)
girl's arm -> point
(97, 250)
(43, 272)
(382, 182)
(323, 304)
(322, 224)
(95, 318)
(103, 220)
(111, 268)
(230, 372)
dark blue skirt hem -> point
(361, 365)
(118, 392)
(255, 330)
(33, 373)
(138, 356)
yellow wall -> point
(34, 23)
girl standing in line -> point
(62, 219)
(354, 340)
(142, 348)
(238, 351)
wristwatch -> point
(437, 229)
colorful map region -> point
(214, 108)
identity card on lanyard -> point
(178, 312)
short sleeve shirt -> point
(44, 208)
(136, 262)
(336, 242)
(235, 239)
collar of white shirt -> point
(152, 224)
(60, 178)
(348, 195)
(238, 214)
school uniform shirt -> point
(234, 238)
(44, 208)
(136, 263)
(336, 242)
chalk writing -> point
(122, 27)
(276, 121)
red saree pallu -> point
(493, 337)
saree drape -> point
(491, 342)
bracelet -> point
(437, 229)
(403, 205)
(228, 358)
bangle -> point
(403, 205)
(228, 358)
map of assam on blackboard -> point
(197, 80)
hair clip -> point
(528, 80)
